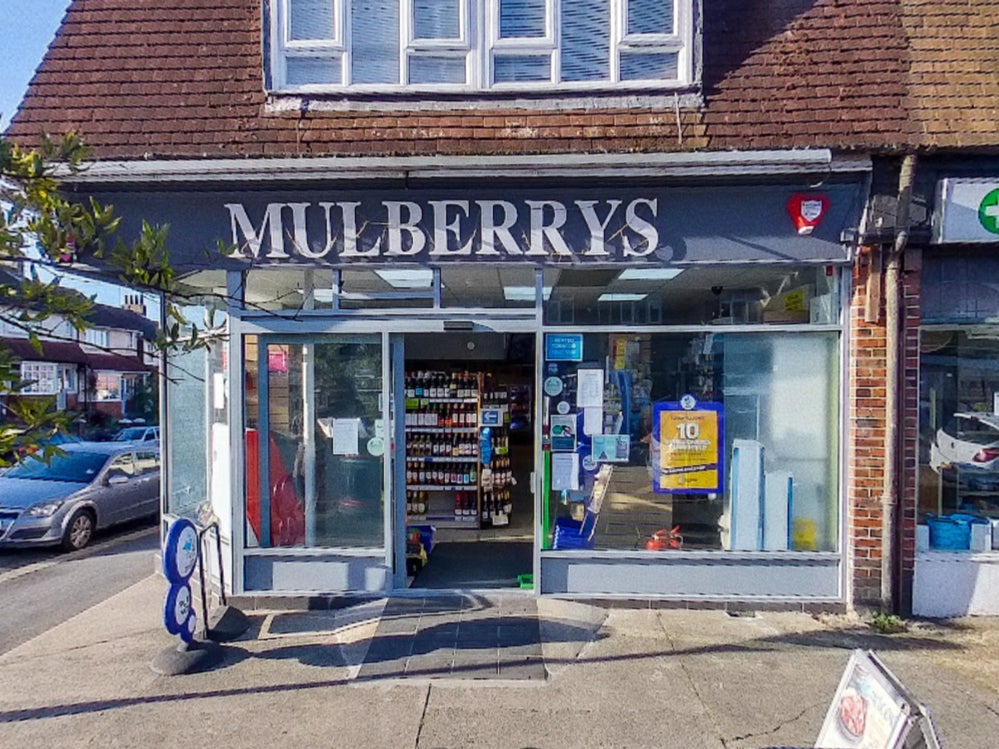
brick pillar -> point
(866, 437)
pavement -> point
(497, 670)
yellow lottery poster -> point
(687, 436)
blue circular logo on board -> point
(177, 609)
(180, 551)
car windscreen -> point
(79, 467)
(130, 434)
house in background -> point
(96, 372)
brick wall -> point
(866, 437)
(866, 455)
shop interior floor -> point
(483, 564)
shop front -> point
(633, 390)
(957, 481)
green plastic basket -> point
(526, 581)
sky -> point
(30, 27)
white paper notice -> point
(590, 388)
(565, 472)
(593, 421)
(345, 436)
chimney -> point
(134, 303)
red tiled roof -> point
(183, 79)
(64, 352)
(116, 363)
(58, 352)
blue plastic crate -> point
(952, 532)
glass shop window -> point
(958, 469)
(315, 441)
(706, 441)
(712, 295)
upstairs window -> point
(479, 45)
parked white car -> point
(969, 440)
(139, 435)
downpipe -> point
(890, 499)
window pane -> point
(735, 295)
(522, 19)
(374, 45)
(436, 69)
(650, 17)
(322, 492)
(310, 19)
(302, 71)
(642, 66)
(288, 289)
(585, 40)
(187, 403)
(494, 285)
(513, 68)
(765, 467)
(958, 427)
(436, 19)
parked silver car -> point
(91, 486)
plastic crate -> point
(951, 532)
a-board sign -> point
(873, 710)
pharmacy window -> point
(479, 45)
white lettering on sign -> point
(450, 228)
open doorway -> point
(469, 456)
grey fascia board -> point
(717, 163)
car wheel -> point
(79, 531)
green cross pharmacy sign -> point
(967, 210)
(988, 211)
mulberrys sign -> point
(351, 231)
(343, 225)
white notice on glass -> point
(593, 421)
(590, 388)
(345, 436)
(565, 472)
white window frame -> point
(105, 373)
(99, 337)
(67, 378)
(42, 378)
(457, 48)
(479, 44)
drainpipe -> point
(890, 499)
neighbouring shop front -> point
(957, 544)
(590, 388)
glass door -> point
(316, 442)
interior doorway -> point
(468, 459)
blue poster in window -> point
(564, 347)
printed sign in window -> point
(686, 446)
